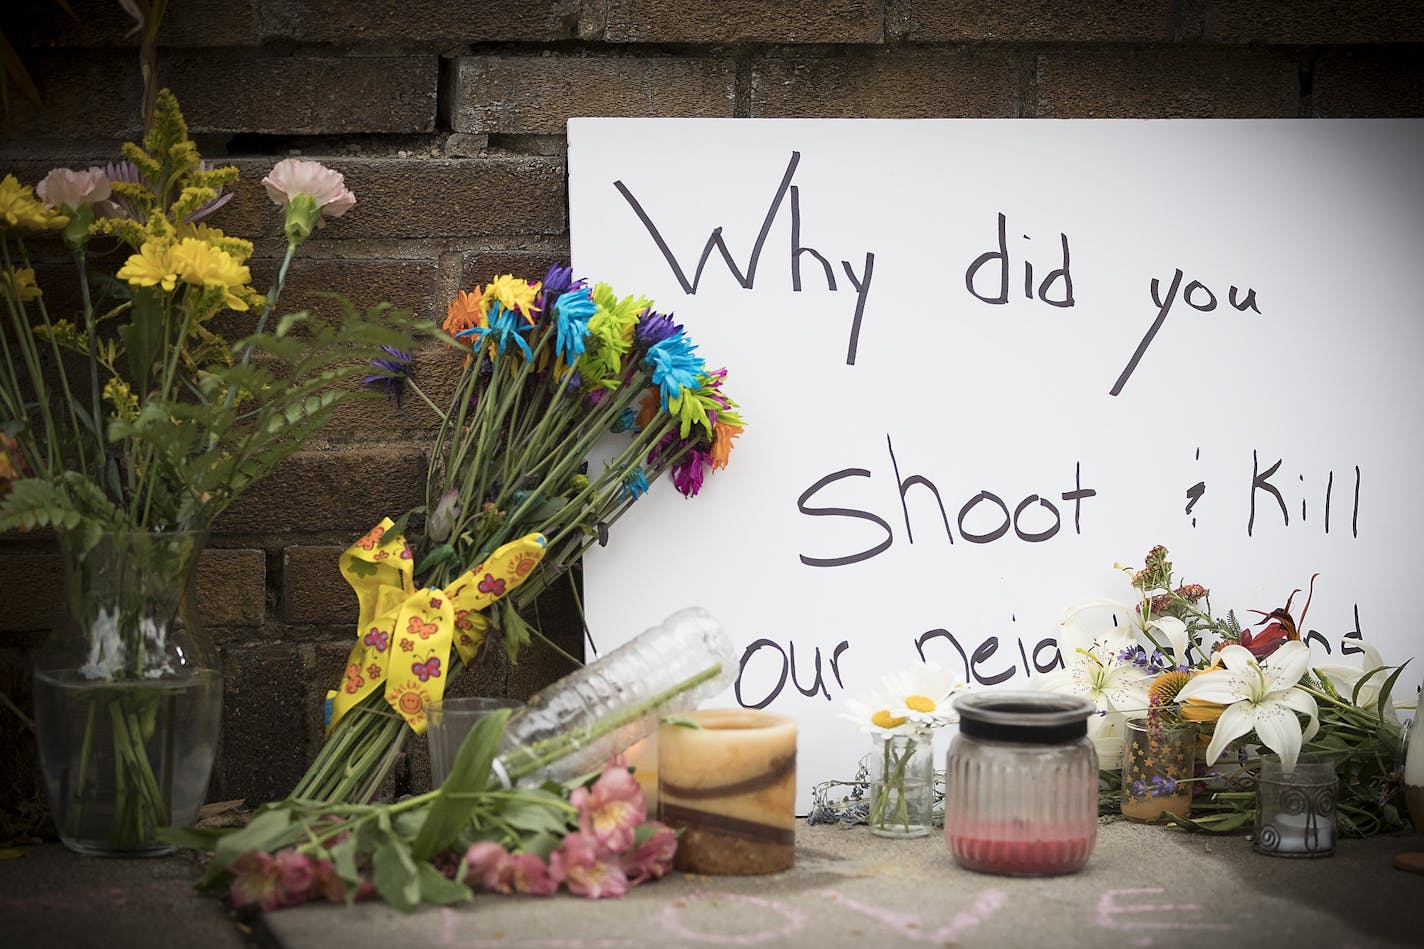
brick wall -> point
(447, 117)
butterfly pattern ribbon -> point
(404, 634)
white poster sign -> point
(982, 361)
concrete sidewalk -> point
(1144, 886)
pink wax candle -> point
(1021, 784)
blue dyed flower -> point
(573, 310)
(635, 485)
(391, 373)
(505, 325)
(674, 366)
(627, 421)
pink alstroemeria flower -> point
(256, 879)
(611, 810)
(529, 874)
(488, 865)
(653, 857)
(587, 869)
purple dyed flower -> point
(557, 282)
(652, 329)
(392, 373)
(127, 171)
(687, 474)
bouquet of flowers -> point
(1173, 664)
(551, 372)
(129, 424)
(590, 835)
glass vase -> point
(127, 694)
(901, 772)
(1414, 768)
(1158, 761)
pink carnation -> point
(293, 176)
(611, 810)
(653, 857)
(64, 187)
(586, 868)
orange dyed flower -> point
(722, 435)
(464, 313)
(647, 408)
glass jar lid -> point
(1036, 717)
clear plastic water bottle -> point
(575, 725)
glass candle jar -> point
(1295, 810)
(1021, 784)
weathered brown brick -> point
(1370, 83)
(538, 94)
(1310, 22)
(103, 23)
(1168, 83)
(892, 83)
(426, 23)
(407, 284)
(34, 585)
(232, 587)
(313, 589)
(482, 266)
(85, 94)
(419, 198)
(97, 93)
(331, 490)
(231, 592)
(742, 21)
(376, 415)
(265, 698)
(240, 91)
(1039, 21)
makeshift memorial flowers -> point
(521, 482)
(129, 425)
(900, 715)
(590, 836)
(1239, 690)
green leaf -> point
(435, 887)
(680, 722)
(395, 874)
(1387, 693)
(535, 817)
(438, 554)
(448, 814)
(143, 338)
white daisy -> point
(871, 713)
(923, 694)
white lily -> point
(1345, 678)
(1107, 731)
(1112, 684)
(1258, 697)
(1106, 623)
(922, 694)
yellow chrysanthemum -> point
(513, 294)
(203, 265)
(21, 210)
(151, 266)
(20, 284)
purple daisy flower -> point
(652, 329)
(687, 474)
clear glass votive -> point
(450, 720)
(1021, 784)
(1295, 810)
(727, 782)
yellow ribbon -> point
(404, 634)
